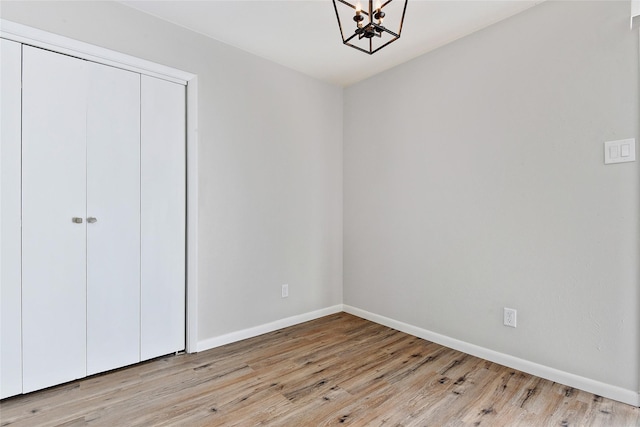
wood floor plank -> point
(336, 370)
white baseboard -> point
(221, 340)
(609, 391)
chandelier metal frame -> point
(369, 29)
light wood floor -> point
(335, 370)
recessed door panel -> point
(113, 212)
(163, 217)
(53, 242)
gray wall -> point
(270, 164)
(481, 185)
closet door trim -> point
(38, 38)
(10, 220)
(42, 39)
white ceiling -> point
(304, 35)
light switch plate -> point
(623, 150)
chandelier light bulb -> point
(358, 18)
(379, 15)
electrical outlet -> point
(510, 317)
(285, 291)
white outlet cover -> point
(510, 317)
(623, 150)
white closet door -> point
(10, 140)
(163, 217)
(53, 192)
(113, 199)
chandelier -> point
(369, 32)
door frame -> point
(60, 44)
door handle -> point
(91, 220)
(76, 220)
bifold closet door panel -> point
(10, 140)
(163, 202)
(113, 212)
(53, 194)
